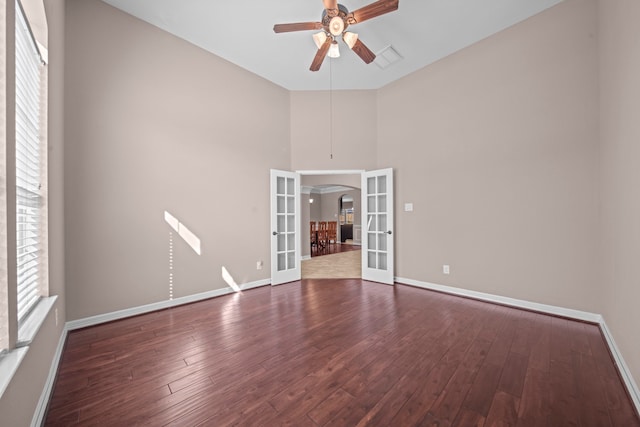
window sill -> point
(10, 362)
(9, 365)
(27, 332)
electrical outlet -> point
(259, 265)
(445, 269)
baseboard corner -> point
(623, 369)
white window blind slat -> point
(29, 197)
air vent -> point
(386, 57)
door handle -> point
(389, 232)
(275, 233)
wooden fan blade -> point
(372, 10)
(322, 52)
(363, 52)
(298, 26)
(331, 6)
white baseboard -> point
(134, 311)
(41, 409)
(534, 306)
(305, 257)
(584, 316)
(625, 373)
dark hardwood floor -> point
(343, 353)
(335, 248)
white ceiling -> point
(241, 31)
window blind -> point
(4, 302)
(29, 194)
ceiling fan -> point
(335, 20)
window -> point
(23, 191)
(30, 169)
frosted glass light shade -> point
(350, 39)
(320, 38)
(336, 26)
(334, 50)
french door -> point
(377, 226)
(285, 227)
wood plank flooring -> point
(334, 248)
(339, 353)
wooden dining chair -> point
(322, 235)
(313, 235)
(332, 233)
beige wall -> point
(347, 180)
(619, 37)
(315, 208)
(331, 203)
(305, 219)
(354, 130)
(154, 123)
(496, 146)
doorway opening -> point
(330, 209)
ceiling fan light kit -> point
(334, 50)
(350, 39)
(320, 38)
(335, 20)
(336, 26)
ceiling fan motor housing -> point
(335, 24)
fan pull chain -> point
(331, 108)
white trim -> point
(134, 311)
(314, 189)
(543, 308)
(331, 172)
(41, 408)
(27, 332)
(336, 189)
(584, 316)
(625, 373)
(9, 363)
(305, 257)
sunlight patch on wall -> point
(226, 276)
(186, 234)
